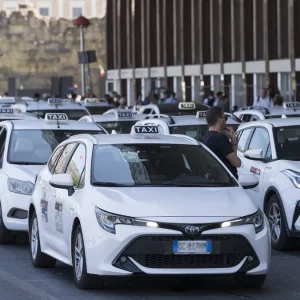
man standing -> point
(223, 145)
(263, 99)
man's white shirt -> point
(264, 102)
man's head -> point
(211, 94)
(165, 95)
(263, 93)
(216, 118)
(219, 94)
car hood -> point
(289, 164)
(24, 172)
(174, 201)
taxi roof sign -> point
(6, 111)
(124, 114)
(186, 105)
(56, 118)
(55, 101)
(146, 129)
(291, 105)
(201, 115)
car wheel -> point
(38, 258)
(82, 279)
(276, 217)
(250, 281)
(6, 236)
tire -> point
(6, 236)
(276, 217)
(250, 281)
(38, 258)
(82, 279)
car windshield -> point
(195, 131)
(98, 110)
(287, 142)
(157, 165)
(34, 147)
(119, 127)
(74, 114)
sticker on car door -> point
(58, 217)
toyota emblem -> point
(192, 230)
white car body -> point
(190, 125)
(74, 110)
(168, 213)
(96, 106)
(256, 113)
(269, 167)
(17, 179)
(115, 120)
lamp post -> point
(82, 23)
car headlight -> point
(109, 221)
(294, 176)
(20, 187)
(257, 220)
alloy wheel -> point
(275, 222)
(78, 255)
(34, 238)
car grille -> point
(156, 252)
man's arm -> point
(230, 150)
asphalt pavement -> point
(20, 281)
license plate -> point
(192, 247)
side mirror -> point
(254, 154)
(248, 181)
(63, 181)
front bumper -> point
(142, 250)
(15, 210)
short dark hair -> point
(219, 94)
(213, 114)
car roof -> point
(113, 117)
(280, 122)
(17, 116)
(109, 139)
(41, 124)
(43, 105)
(192, 120)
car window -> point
(61, 163)
(157, 165)
(243, 139)
(54, 157)
(260, 140)
(77, 164)
(246, 118)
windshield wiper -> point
(26, 163)
(112, 184)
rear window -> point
(34, 147)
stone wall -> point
(34, 49)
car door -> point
(65, 204)
(3, 176)
(52, 199)
(260, 139)
(45, 192)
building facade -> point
(68, 9)
(193, 46)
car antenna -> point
(57, 124)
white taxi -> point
(144, 203)
(25, 148)
(7, 113)
(72, 109)
(255, 113)
(270, 149)
(96, 106)
(190, 125)
(180, 109)
(115, 120)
